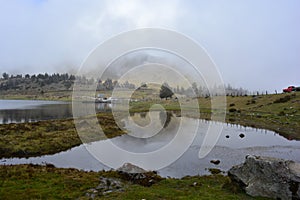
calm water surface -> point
(230, 149)
(19, 111)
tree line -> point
(27, 81)
(19, 82)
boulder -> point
(130, 168)
(138, 175)
(268, 177)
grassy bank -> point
(48, 182)
(279, 113)
(65, 95)
(49, 137)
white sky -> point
(255, 44)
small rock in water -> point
(216, 162)
(242, 135)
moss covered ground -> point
(48, 182)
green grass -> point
(264, 112)
(48, 95)
(49, 137)
(47, 182)
(41, 182)
(255, 111)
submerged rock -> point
(216, 162)
(268, 177)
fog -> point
(255, 44)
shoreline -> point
(48, 182)
(52, 136)
(64, 136)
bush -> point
(232, 110)
(232, 104)
(283, 99)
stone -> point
(138, 175)
(106, 185)
(109, 184)
(130, 168)
(215, 162)
(267, 177)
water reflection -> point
(46, 112)
(20, 111)
(165, 118)
(229, 150)
(147, 139)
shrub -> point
(232, 104)
(283, 99)
(232, 110)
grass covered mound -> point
(48, 182)
(49, 137)
(276, 112)
(279, 113)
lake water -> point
(19, 111)
(231, 148)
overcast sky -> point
(255, 43)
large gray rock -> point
(268, 177)
(138, 175)
(130, 168)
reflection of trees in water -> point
(103, 107)
(45, 112)
(165, 118)
(143, 115)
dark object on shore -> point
(227, 136)
(242, 135)
(232, 110)
(267, 177)
(215, 171)
(216, 162)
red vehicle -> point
(291, 89)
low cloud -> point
(247, 40)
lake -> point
(19, 111)
(230, 149)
